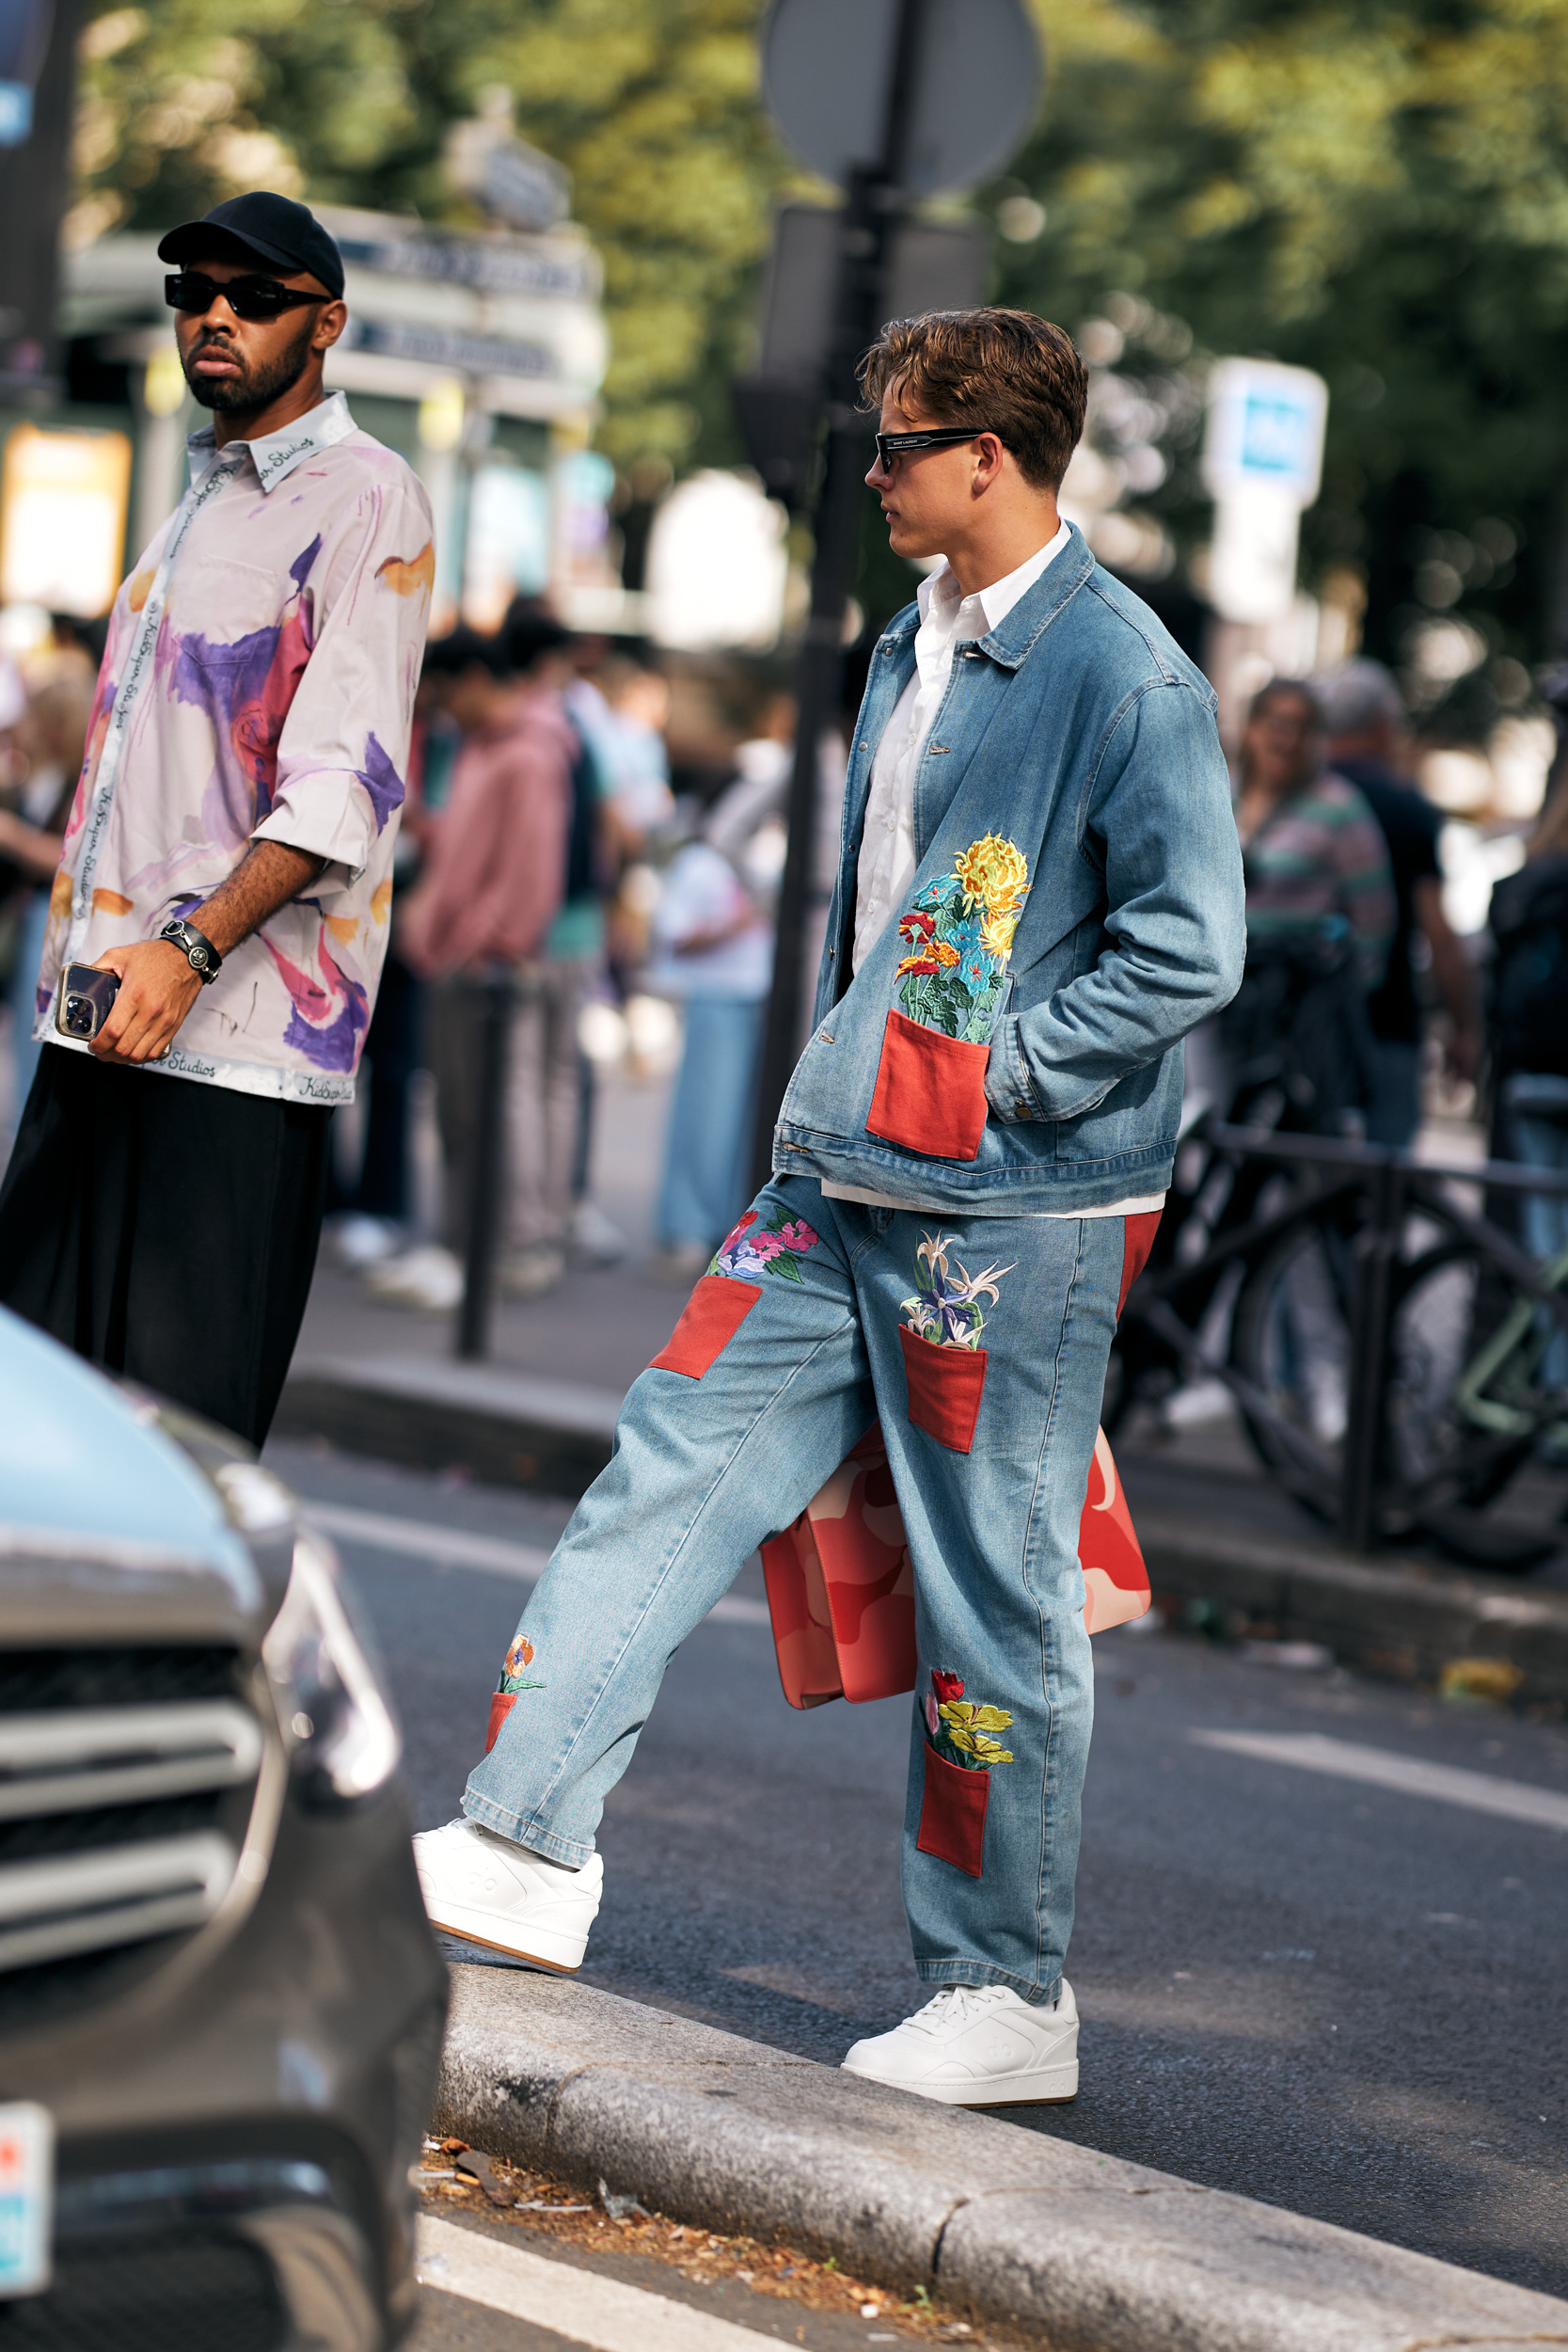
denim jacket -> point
(1012, 1042)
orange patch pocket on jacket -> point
(945, 1387)
(930, 1092)
(952, 1813)
(714, 1313)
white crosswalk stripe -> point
(457, 1547)
(1410, 1776)
(580, 2304)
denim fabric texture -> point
(705, 1467)
(1081, 733)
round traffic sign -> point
(826, 68)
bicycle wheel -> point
(1465, 1405)
(1291, 1339)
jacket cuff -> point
(1008, 1087)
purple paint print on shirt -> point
(382, 781)
(299, 570)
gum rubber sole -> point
(512, 1952)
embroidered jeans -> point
(981, 1344)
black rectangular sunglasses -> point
(892, 445)
(249, 298)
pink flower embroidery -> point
(798, 1236)
(768, 1245)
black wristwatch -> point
(197, 949)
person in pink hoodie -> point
(493, 879)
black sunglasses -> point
(893, 445)
(249, 298)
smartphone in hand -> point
(83, 1000)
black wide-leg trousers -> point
(166, 1229)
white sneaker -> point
(490, 1891)
(428, 1276)
(594, 1236)
(530, 1273)
(978, 2045)
(366, 1241)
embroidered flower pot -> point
(952, 1813)
(502, 1704)
(714, 1313)
(945, 1387)
(930, 1092)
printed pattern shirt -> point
(258, 685)
(1319, 857)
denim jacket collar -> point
(1014, 638)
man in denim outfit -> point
(1038, 894)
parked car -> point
(220, 1999)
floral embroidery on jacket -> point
(945, 1308)
(776, 1249)
(960, 1730)
(960, 935)
(519, 1655)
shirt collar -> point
(997, 600)
(276, 454)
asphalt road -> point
(1302, 1984)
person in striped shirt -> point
(1311, 849)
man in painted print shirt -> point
(229, 853)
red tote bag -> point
(841, 1585)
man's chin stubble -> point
(244, 395)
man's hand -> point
(157, 989)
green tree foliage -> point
(651, 105)
(1379, 192)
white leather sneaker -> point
(978, 2045)
(490, 1891)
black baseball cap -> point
(260, 227)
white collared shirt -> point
(947, 620)
(258, 685)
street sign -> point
(1262, 463)
(1265, 426)
(827, 71)
(932, 265)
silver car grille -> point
(99, 1760)
(120, 1824)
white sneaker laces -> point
(955, 2005)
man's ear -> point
(330, 322)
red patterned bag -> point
(841, 1585)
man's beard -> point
(253, 389)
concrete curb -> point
(1095, 2254)
(1403, 1619)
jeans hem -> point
(941, 1972)
(531, 1834)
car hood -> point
(100, 1507)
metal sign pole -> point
(870, 216)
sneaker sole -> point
(471, 1926)
(1047, 2086)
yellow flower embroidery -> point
(993, 874)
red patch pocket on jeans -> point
(930, 1092)
(945, 1387)
(952, 1813)
(714, 1313)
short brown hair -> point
(1008, 372)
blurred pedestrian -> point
(53, 740)
(712, 934)
(1295, 1047)
(1369, 745)
(1038, 892)
(492, 885)
(1528, 1024)
(229, 851)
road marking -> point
(555, 2295)
(457, 1547)
(1450, 1784)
